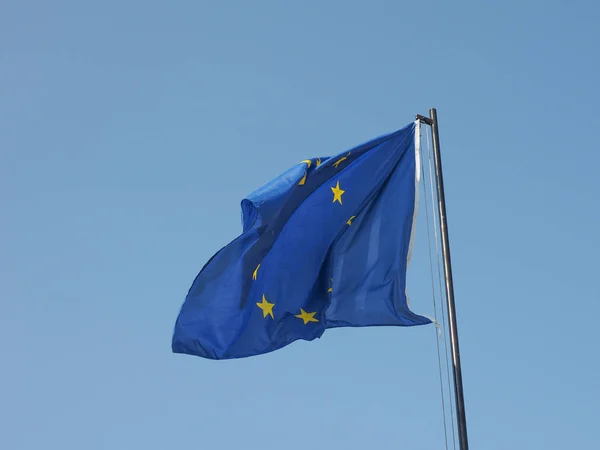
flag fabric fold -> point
(324, 245)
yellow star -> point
(337, 163)
(337, 193)
(343, 158)
(350, 220)
(308, 163)
(306, 317)
(255, 272)
(267, 308)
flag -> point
(326, 244)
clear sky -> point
(129, 133)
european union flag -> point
(324, 245)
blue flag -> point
(324, 245)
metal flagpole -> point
(458, 386)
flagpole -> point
(461, 419)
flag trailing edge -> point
(326, 244)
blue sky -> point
(130, 132)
